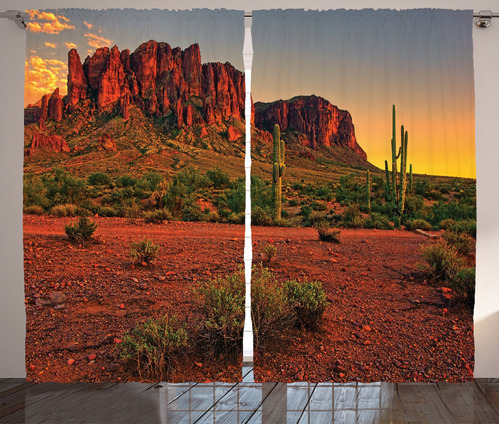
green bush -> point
(463, 243)
(144, 251)
(218, 178)
(467, 226)
(308, 300)
(191, 212)
(464, 285)
(99, 178)
(63, 210)
(222, 306)
(158, 216)
(271, 313)
(378, 221)
(150, 347)
(328, 234)
(351, 218)
(442, 261)
(261, 217)
(446, 223)
(126, 181)
(420, 224)
(34, 210)
(236, 218)
(269, 251)
(106, 211)
(82, 231)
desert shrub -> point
(224, 213)
(326, 233)
(413, 205)
(63, 210)
(125, 181)
(350, 191)
(308, 300)
(284, 213)
(446, 223)
(261, 193)
(191, 212)
(107, 211)
(218, 178)
(269, 251)
(236, 218)
(99, 178)
(261, 217)
(293, 202)
(454, 210)
(421, 187)
(157, 216)
(152, 180)
(306, 211)
(442, 261)
(222, 306)
(434, 195)
(323, 193)
(351, 218)
(62, 188)
(319, 206)
(34, 210)
(82, 231)
(144, 251)
(467, 226)
(236, 197)
(463, 243)
(420, 224)
(152, 345)
(464, 285)
(378, 221)
(270, 311)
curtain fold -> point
(134, 195)
(363, 195)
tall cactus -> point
(279, 169)
(396, 186)
(368, 202)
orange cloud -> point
(43, 76)
(89, 26)
(47, 22)
(51, 45)
(70, 45)
(96, 41)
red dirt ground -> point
(384, 321)
(107, 295)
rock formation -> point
(322, 123)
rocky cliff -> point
(321, 123)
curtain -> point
(363, 195)
(134, 195)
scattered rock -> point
(71, 361)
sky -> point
(364, 62)
(52, 33)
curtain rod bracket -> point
(15, 15)
(483, 19)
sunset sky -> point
(366, 61)
(52, 33)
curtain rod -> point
(482, 19)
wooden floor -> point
(248, 402)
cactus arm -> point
(279, 169)
(387, 183)
(394, 165)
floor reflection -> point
(248, 402)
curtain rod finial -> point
(15, 15)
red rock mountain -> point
(158, 81)
(322, 123)
(156, 78)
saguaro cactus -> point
(279, 169)
(396, 186)
(368, 202)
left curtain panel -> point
(134, 195)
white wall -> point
(12, 45)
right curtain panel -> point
(363, 195)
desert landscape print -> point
(133, 198)
(363, 198)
